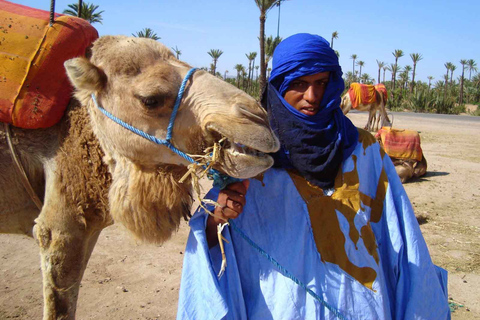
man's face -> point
(306, 93)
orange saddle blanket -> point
(401, 144)
(361, 94)
(380, 87)
(34, 88)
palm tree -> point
(393, 69)
(463, 63)
(380, 64)
(146, 33)
(385, 68)
(430, 78)
(215, 54)
(472, 66)
(406, 77)
(415, 58)
(334, 36)
(239, 69)
(337, 53)
(365, 78)
(251, 64)
(446, 86)
(256, 69)
(447, 65)
(177, 51)
(264, 6)
(452, 68)
(87, 12)
(397, 54)
(360, 64)
(354, 57)
(270, 45)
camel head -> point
(137, 80)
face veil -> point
(313, 145)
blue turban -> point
(313, 145)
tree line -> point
(447, 95)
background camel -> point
(373, 99)
(89, 171)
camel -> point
(410, 169)
(89, 171)
(378, 102)
(404, 148)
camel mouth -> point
(238, 159)
(236, 149)
(233, 146)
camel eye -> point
(151, 102)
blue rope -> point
(285, 272)
(141, 133)
(177, 103)
(219, 180)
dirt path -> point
(129, 281)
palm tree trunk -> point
(378, 81)
(413, 78)
(263, 69)
(80, 4)
(395, 75)
(253, 68)
(461, 85)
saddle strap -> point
(20, 170)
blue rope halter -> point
(219, 180)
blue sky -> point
(441, 30)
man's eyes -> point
(298, 84)
(304, 85)
(322, 83)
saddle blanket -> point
(401, 144)
(361, 94)
(34, 88)
(380, 87)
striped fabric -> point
(400, 144)
(380, 87)
(361, 94)
(34, 89)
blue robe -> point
(360, 250)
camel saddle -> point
(400, 144)
(361, 94)
(34, 88)
(380, 87)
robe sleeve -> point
(419, 287)
(202, 295)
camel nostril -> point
(257, 114)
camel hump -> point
(37, 90)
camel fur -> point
(378, 104)
(90, 172)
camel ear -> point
(84, 75)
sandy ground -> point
(125, 280)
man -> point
(328, 232)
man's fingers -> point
(229, 213)
(234, 196)
(240, 187)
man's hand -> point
(231, 200)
